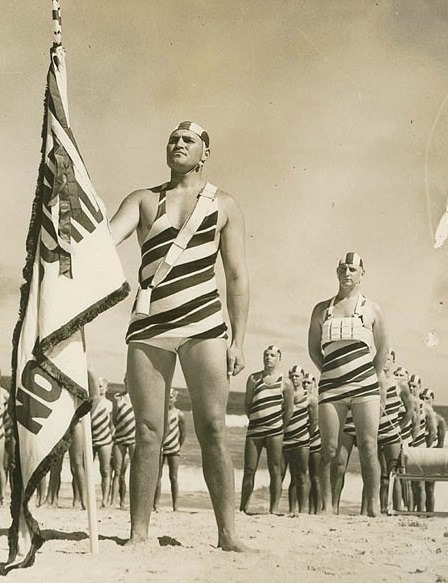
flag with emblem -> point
(72, 274)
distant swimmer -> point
(315, 498)
(269, 406)
(439, 426)
(423, 437)
(296, 442)
(172, 444)
(101, 422)
(123, 422)
(348, 344)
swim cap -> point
(415, 379)
(426, 394)
(307, 376)
(401, 369)
(196, 128)
(352, 258)
(296, 369)
(274, 348)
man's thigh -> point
(366, 417)
(332, 417)
(149, 375)
(204, 364)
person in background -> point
(101, 423)
(171, 447)
(269, 406)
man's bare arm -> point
(431, 425)
(249, 392)
(313, 414)
(125, 221)
(288, 401)
(232, 247)
(380, 339)
(182, 428)
(408, 402)
(314, 336)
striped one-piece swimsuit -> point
(296, 433)
(100, 421)
(124, 422)
(389, 428)
(315, 442)
(171, 443)
(186, 303)
(348, 370)
(420, 439)
(266, 409)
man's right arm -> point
(314, 337)
(248, 397)
(408, 402)
(126, 219)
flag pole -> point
(86, 428)
(90, 483)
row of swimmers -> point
(283, 419)
(113, 442)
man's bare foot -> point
(234, 546)
(137, 541)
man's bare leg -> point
(315, 505)
(331, 424)
(76, 455)
(117, 462)
(301, 465)
(104, 455)
(173, 465)
(204, 363)
(158, 491)
(366, 419)
(149, 374)
(274, 454)
(339, 467)
(252, 451)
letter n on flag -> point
(72, 274)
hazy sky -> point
(327, 122)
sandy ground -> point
(347, 548)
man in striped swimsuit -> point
(296, 442)
(171, 447)
(102, 433)
(268, 405)
(123, 421)
(439, 428)
(315, 499)
(347, 343)
(185, 319)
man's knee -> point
(148, 434)
(328, 453)
(210, 431)
(368, 447)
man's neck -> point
(271, 370)
(189, 181)
(346, 293)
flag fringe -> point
(37, 539)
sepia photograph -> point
(224, 291)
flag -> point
(441, 231)
(72, 273)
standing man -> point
(269, 406)
(101, 422)
(183, 317)
(123, 421)
(171, 446)
(347, 343)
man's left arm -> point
(431, 425)
(288, 401)
(232, 247)
(381, 340)
(182, 428)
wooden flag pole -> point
(90, 482)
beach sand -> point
(347, 548)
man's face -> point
(270, 358)
(184, 150)
(102, 386)
(414, 388)
(401, 373)
(349, 275)
(296, 379)
(389, 363)
(307, 385)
